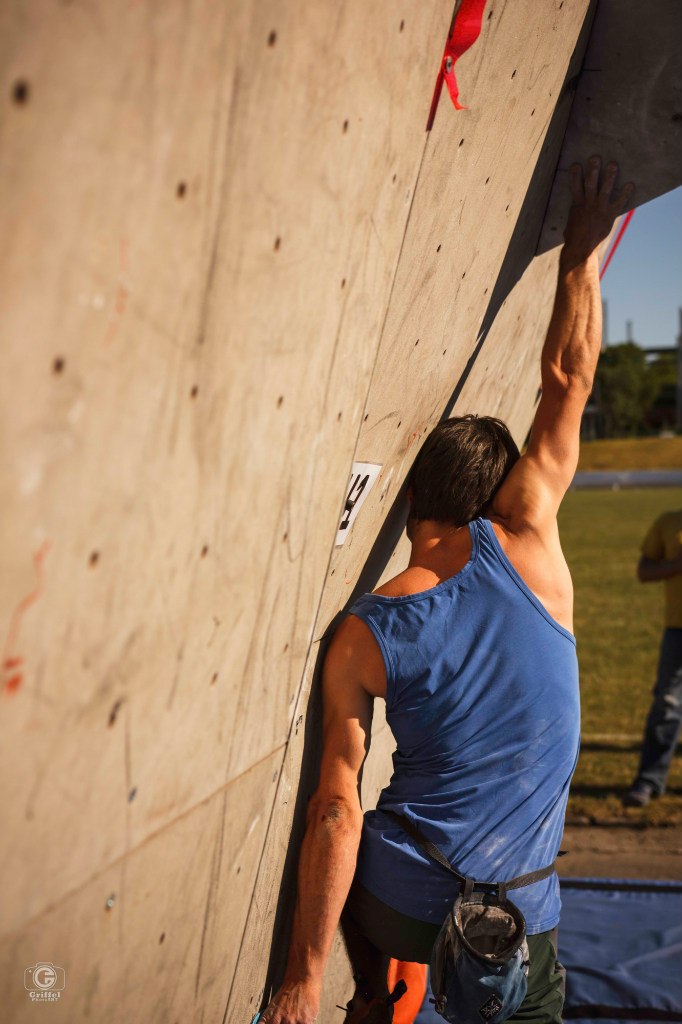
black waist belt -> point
(470, 885)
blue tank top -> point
(482, 699)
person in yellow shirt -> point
(661, 559)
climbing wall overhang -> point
(234, 263)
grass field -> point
(618, 623)
(631, 453)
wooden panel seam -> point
(313, 641)
(49, 907)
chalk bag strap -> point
(468, 884)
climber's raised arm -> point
(531, 494)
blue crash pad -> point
(620, 941)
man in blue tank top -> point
(472, 649)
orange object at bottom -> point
(414, 976)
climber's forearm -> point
(573, 343)
(325, 873)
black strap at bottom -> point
(469, 884)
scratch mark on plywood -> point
(378, 236)
(179, 654)
(291, 555)
(332, 363)
(213, 886)
(215, 158)
(241, 697)
(218, 222)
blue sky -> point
(643, 282)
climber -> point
(471, 647)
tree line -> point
(634, 394)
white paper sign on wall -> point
(362, 478)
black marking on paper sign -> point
(362, 478)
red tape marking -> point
(616, 242)
(465, 28)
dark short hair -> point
(460, 468)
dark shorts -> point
(405, 938)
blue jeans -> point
(665, 714)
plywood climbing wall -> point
(233, 263)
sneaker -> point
(639, 795)
(374, 1011)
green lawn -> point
(631, 453)
(618, 624)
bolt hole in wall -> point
(21, 91)
(58, 365)
(181, 189)
(113, 714)
(194, 392)
(277, 244)
(272, 38)
(345, 127)
(93, 559)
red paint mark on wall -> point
(14, 682)
(465, 28)
(11, 660)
